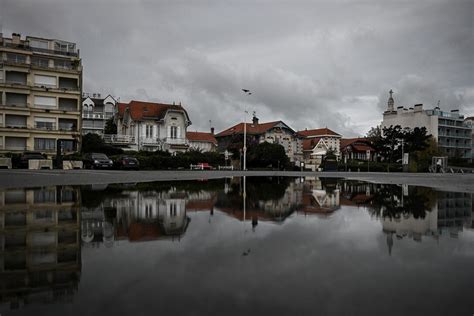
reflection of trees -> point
(389, 201)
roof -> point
(254, 129)
(147, 110)
(358, 144)
(309, 143)
(318, 132)
(201, 137)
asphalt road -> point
(15, 178)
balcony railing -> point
(176, 141)
(150, 141)
(45, 126)
(119, 139)
(23, 46)
(88, 115)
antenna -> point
(439, 102)
(210, 123)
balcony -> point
(45, 126)
(91, 115)
(23, 46)
(176, 141)
(150, 141)
(119, 139)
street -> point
(15, 178)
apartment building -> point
(453, 134)
(96, 111)
(40, 94)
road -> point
(15, 178)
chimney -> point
(212, 130)
(418, 108)
(255, 120)
(16, 38)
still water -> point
(236, 246)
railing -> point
(119, 139)
(45, 126)
(150, 141)
(176, 141)
(40, 50)
(93, 115)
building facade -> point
(40, 93)
(357, 149)
(96, 111)
(202, 141)
(272, 132)
(150, 126)
(453, 135)
(317, 143)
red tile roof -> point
(309, 143)
(317, 132)
(358, 144)
(142, 110)
(201, 137)
(254, 129)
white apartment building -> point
(95, 112)
(150, 126)
(40, 92)
(454, 136)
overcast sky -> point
(309, 63)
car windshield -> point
(99, 156)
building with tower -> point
(453, 134)
(96, 110)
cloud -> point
(310, 64)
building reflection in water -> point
(40, 258)
(133, 215)
(42, 229)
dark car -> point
(97, 161)
(126, 162)
(29, 155)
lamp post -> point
(247, 92)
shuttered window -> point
(47, 81)
(45, 102)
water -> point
(295, 246)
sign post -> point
(367, 152)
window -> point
(173, 210)
(40, 62)
(174, 132)
(42, 196)
(45, 102)
(62, 64)
(38, 44)
(47, 81)
(68, 145)
(47, 123)
(45, 144)
(149, 131)
(16, 58)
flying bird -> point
(245, 90)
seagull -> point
(246, 90)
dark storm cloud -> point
(311, 64)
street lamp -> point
(247, 92)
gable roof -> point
(359, 144)
(318, 132)
(310, 143)
(201, 137)
(148, 110)
(253, 129)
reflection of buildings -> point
(319, 197)
(261, 204)
(136, 216)
(40, 250)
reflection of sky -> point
(333, 265)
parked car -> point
(126, 162)
(97, 161)
(29, 155)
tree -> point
(110, 126)
(94, 143)
(266, 155)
